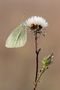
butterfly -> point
(18, 37)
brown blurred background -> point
(17, 66)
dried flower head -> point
(36, 22)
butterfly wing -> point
(17, 38)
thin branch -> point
(38, 79)
(37, 53)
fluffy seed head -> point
(36, 22)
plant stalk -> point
(36, 51)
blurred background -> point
(17, 66)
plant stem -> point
(38, 79)
(37, 53)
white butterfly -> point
(18, 37)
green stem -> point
(38, 79)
